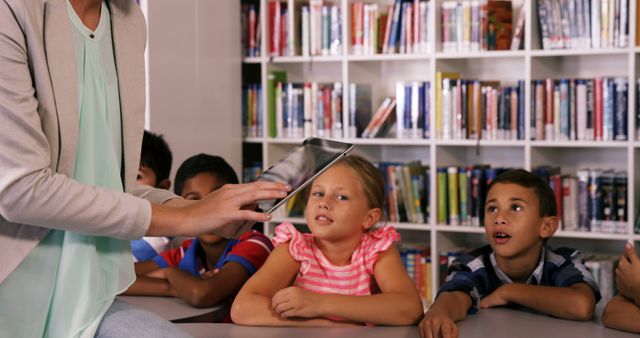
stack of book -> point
(301, 110)
(307, 29)
(578, 24)
(251, 171)
(461, 193)
(416, 259)
(252, 110)
(475, 25)
(407, 187)
(474, 109)
(402, 29)
(580, 109)
(250, 18)
(592, 200)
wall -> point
(195, 77)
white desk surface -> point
(494, 323)
(169, 308)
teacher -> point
(71, 124)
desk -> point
(174, 309)
(494, 323)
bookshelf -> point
(383, 70)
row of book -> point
(405, 115)
(580, 109)
(475, 25)
(250, 21)
(298, 110)
(402, 29)
(575, 24)
(252, 115)
(407, 187)
(474, 109)
(416, 260)
(590, 200)
(307, 29)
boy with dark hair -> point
(208, 269)
(154, 170)
(155, 161)
(517, 267)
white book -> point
(581, 109)
(314, 109)
(308, 126)
(315, 31)
(335, 31)
(445, 107)
(416, 130)
(305, 31)
(595, 24)
(336, 119)
(624, 23)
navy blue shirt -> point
(478, 274)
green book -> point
(273, 78)
(442, 213)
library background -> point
(443, 95)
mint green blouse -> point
(67, 283)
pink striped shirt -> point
(317, 274)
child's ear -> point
(164, 184)
(549, 226)
(372, 218)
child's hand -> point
(628, 274)
(497, 298)
(296, 302)
(436, 325)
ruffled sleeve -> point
(298, 246)
(376, 241)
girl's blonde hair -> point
(370, 179)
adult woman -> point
(71, 117)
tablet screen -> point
(301, 165)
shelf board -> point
(411, 226)
(590, 235)
(482, 54)
(253, 140)
(388, 141)
(483, 143)
(578, 52)
(580, 144)
(305, 59)
(461, 229)
(389, 57)
(252, 59)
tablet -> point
(301, 165)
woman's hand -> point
(228, 211)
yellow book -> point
(439, 77)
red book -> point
(327, 108)
(274, 27)
(597, 116)
(357, 9)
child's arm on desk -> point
(205, 292)
(623, 314)
(149, 281)
(439, 320)
(576, 302)
(253, 304)
(397, 304)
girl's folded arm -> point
(398, 303)
(252, 305)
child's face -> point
(337, 208)
(146, 176)
(513, 225)
(197, 187)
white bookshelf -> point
(382, 71)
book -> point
(359, 108)
(517, 40)
(273, 78)
(440, 76)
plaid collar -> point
(534, 278)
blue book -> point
(521, 109)
(427, 110)
(395, 26)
